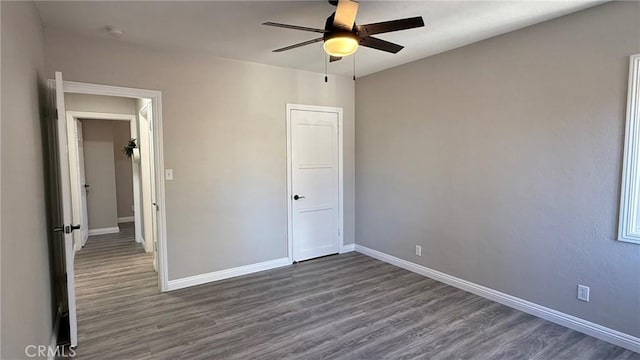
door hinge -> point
(56, 113)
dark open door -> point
(55, 220)
(61, 215)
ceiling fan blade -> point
(334, 58)
(345, 14)
(389, 26)
(298, 45)
(294, 27)
(380, 44)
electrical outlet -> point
(583, 293)
(418, 250)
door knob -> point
(296, 197)
(67, 229)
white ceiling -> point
(232, 29)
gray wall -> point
(224, 137)
(124, 171)
(26, 291)
(99, 103)
(503, 160)
(100, 174)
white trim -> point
(156, 103)
(227, 273)
(628, 229)
(53, 343)
(87, 115)
(103, 231)
(347, 248)
(338, 111)
(598, 331)
(126, 219)
(107, 90)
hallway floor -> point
(113, 273)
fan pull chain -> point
(354, 67)
(326, 61)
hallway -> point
(113, 276)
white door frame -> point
(150, 242)
(76, 187)
(338, 111)
(156, 103)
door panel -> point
(84, 187)
(147, 166)
(313, 237)
(152, 181)
(315, 180)
(56, 237)
(65, 200)
(73, 138)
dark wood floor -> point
(340, 307)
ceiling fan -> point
(341, 35)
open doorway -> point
(104, 181)
(74, 129)
(111, 155)
(112, 169)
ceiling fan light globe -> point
(341, 45)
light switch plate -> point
(168, 174)
(583, 293)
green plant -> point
(128, 149)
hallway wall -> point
(27, 304)
(124, 170)
(99, 165)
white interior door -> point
(135, 170)
(314, 182)
(83, 185)
(152, 182)
(76, 183)
(146, 176)
(65, 193)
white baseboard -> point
(225, 274)
(126, 219)
(103, 231)
(598, 331)
(53, 344)
(348, 248)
